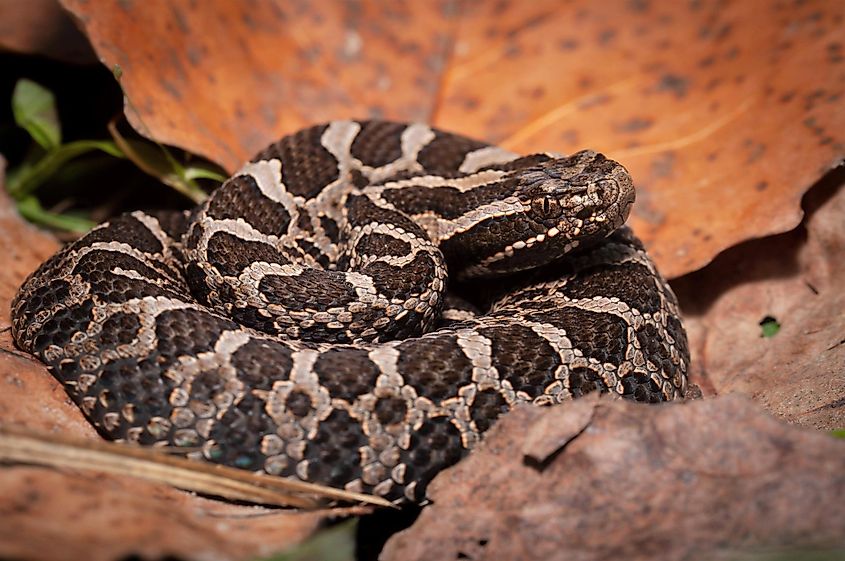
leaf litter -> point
(722, 148)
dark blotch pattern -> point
(62, 325)
(448, 203)
(134, 381)
(632, 283)
(391, 410)
(447, 151)
(676, 331)
(126, 229)
(363, 211)
(238, 435)
(298, 403)
(189, 332)
(584, 380)
(655, 348)
(641, 387)
(486, 408)
(330, 228)
(382, 244)
(231, 254)
(43, 297)
(394, 282)
(378, 143)
(120, 329)
(98, 266)
(311, 289)
(306, 165)
(434, 447)
(346, 372)
(240, 197)
(603, 337)
(259, 363)
(486, 239)
(332, 454)
(436, 367)
(523, 358)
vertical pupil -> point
(546, 205)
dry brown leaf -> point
(41, 27)
(707, 479)
(725, 112)
(58, 516)
(222, 78)
(24, 248)
(796, 278)
(22, 376)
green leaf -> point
(333, 544)
(155, 160)
(838, 433)
(769, 326)
(204, 171)
(26, 179)
(34, 108)
(31, 209)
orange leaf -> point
(725, 112)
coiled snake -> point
(298, 322)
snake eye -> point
(546, 207)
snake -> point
(357, 305)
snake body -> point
(298, 322)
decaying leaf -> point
(24, 247)
(795, 280)
(725, 112)
(222, 78)
(72, 515)
(707, 479)
(41, 27)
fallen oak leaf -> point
(725, 113)
(244, 73)
(25, 245)
(539, 450)
(72, 515)
(795, 279)
(639, 482)
(42, 27)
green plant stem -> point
(31, 209)
(28, 178)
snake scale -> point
(298, 322)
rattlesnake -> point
(298, 322)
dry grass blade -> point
(152, 464)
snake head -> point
(564, 203)
(585, 194)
